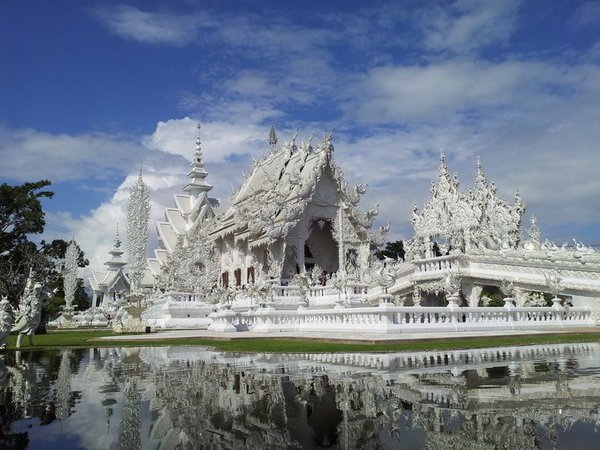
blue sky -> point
(87, 89)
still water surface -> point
(191, 397)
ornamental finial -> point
(117, 241)
(272, 138)
(197, 161)
(198, 143)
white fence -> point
(387, 318)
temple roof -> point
(272, 198)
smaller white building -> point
(113, 284)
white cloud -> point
(467, 25)
(220, 139)
(150, 27)
(28, 154)
(440, 91)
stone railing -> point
(437, 264)
(352, 290)
(387, 318)
(183, 297)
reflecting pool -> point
(192, 397)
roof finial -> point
(198, 143)
(273, 138)
(330, 141)
(197, 162)
(117, 241)
(294, 147)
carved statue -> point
(452, 283)
(6, 321)
(30, 311)
(507, 288)
(302, 280)
(554, 284)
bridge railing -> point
(181, 297)
(387, 318)
(437, 264)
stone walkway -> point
(374, 338)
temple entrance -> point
(320, 248)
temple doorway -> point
(320, 248)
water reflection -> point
(189, 397)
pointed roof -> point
(197, 174)
(115, 261)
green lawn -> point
(61, 339)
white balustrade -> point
(388, 318)
(437, 264)
(183, 297)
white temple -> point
(293, 252)
(110, 286)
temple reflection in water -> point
(190, 397)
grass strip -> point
(63, 339)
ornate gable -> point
(462, 221)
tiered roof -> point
(192, 207)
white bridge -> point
(576, 274)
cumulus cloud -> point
(220, 139)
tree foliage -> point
(21, 212)
(394, 250)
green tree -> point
(21, 212)
(394, 250)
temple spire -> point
(197, 174)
